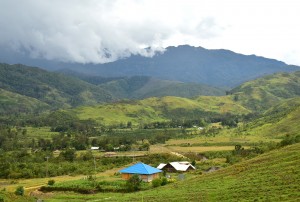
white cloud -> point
(104, 30)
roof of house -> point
(179, 166)
(160, 166)
(140, 168)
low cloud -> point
(100, 31)
(92, 31)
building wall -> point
(145, 178)
(169, 168)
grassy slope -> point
(15, 103)
(274, 176)
(280, 120)
(265, 92)
(158, 109)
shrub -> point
(19, 191)
(232, 159)
(164, 181)
(134, 183)
(51, 182)
(156, 182)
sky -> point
(100, 31)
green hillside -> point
(265, 92)
(54, 89)
(139, 87)
(13, 103)
(254, 96)
(279, 121)
(159, 109)
(274, 176)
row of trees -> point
(22, 164)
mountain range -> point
(219, 68)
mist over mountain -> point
(221, 68)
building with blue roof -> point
(146, 173)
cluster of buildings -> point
(148, 173)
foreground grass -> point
(274, 176)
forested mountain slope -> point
(14, 104)
(53, 89)
(139, 87)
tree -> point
(20, 191)
(129, 124)
(69, 155)
(134, 183)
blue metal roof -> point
(140, 168)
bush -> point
(51, 182)
(156, 182)
(134, 183)
(20, 191)
(164, 181)
(232, 159)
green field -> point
(40, 132)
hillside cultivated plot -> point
(40, 132)
(223, 139)
(201, 149)
(118, 113)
